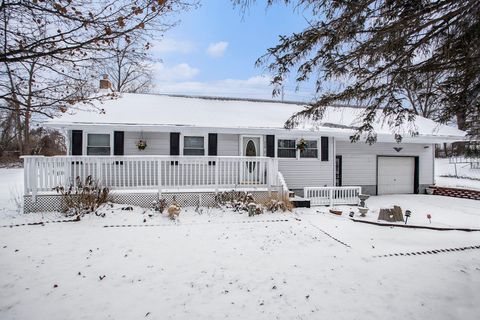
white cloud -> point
(217, 49)
(256, 87)
(169, 45)
(179, 72)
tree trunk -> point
(461, 120)
(26, 134)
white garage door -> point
(395, 175)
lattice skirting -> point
(46, 203)
(43, 203)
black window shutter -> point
(174, 143)
(77, 140)
(212, 144)
(118, 138)
(324, 145)
(271, 146)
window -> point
(193, 146)
(98, 144)
(286, 149)
(311, 151)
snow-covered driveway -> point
(224, 265)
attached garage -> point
(397, 175)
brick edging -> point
(456, 193)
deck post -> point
(159, 177)
(30, 176)
(217, 164)
(269, 176)
(26, 168)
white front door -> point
(396, 175)
(251, 148)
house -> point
(205, 144)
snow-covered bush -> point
(236, 200)
(174, 211)
(241, 201)
(159, 205)
(274, 205)
(82, 198)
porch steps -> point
(299, 202)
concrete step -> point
(299, 202)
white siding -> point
(158, 143)
(359, 160)
(228, 144)
(300, 173)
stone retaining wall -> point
(457, 193)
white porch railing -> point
(332, 195)
(163, 173)
(283, 185)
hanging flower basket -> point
(302, 144)
(141, 144)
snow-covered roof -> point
(154, 112)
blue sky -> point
(212, 51)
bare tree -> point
(423, 94)
(129, 66)
(76, 26)
(48, 48)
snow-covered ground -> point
(11, 191)
(221, 264)
(445, 172)
(445, 212)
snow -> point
(445, 175)
(164, 110)
(221, 264)
(445, 212)
(11, 189)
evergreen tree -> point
(372, 47)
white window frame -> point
(286, 138)
(297, 152)
(318, 150)
(182, 144)
(85, 141)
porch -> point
(161, 174)
(190, 180)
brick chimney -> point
(105, 83)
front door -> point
(338, 171)
(251, 148)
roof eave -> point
(341, 134)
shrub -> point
(83, 197)
(240, 201)
(274, 205)
(174, 211)
(236, 200)
(159, 205)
